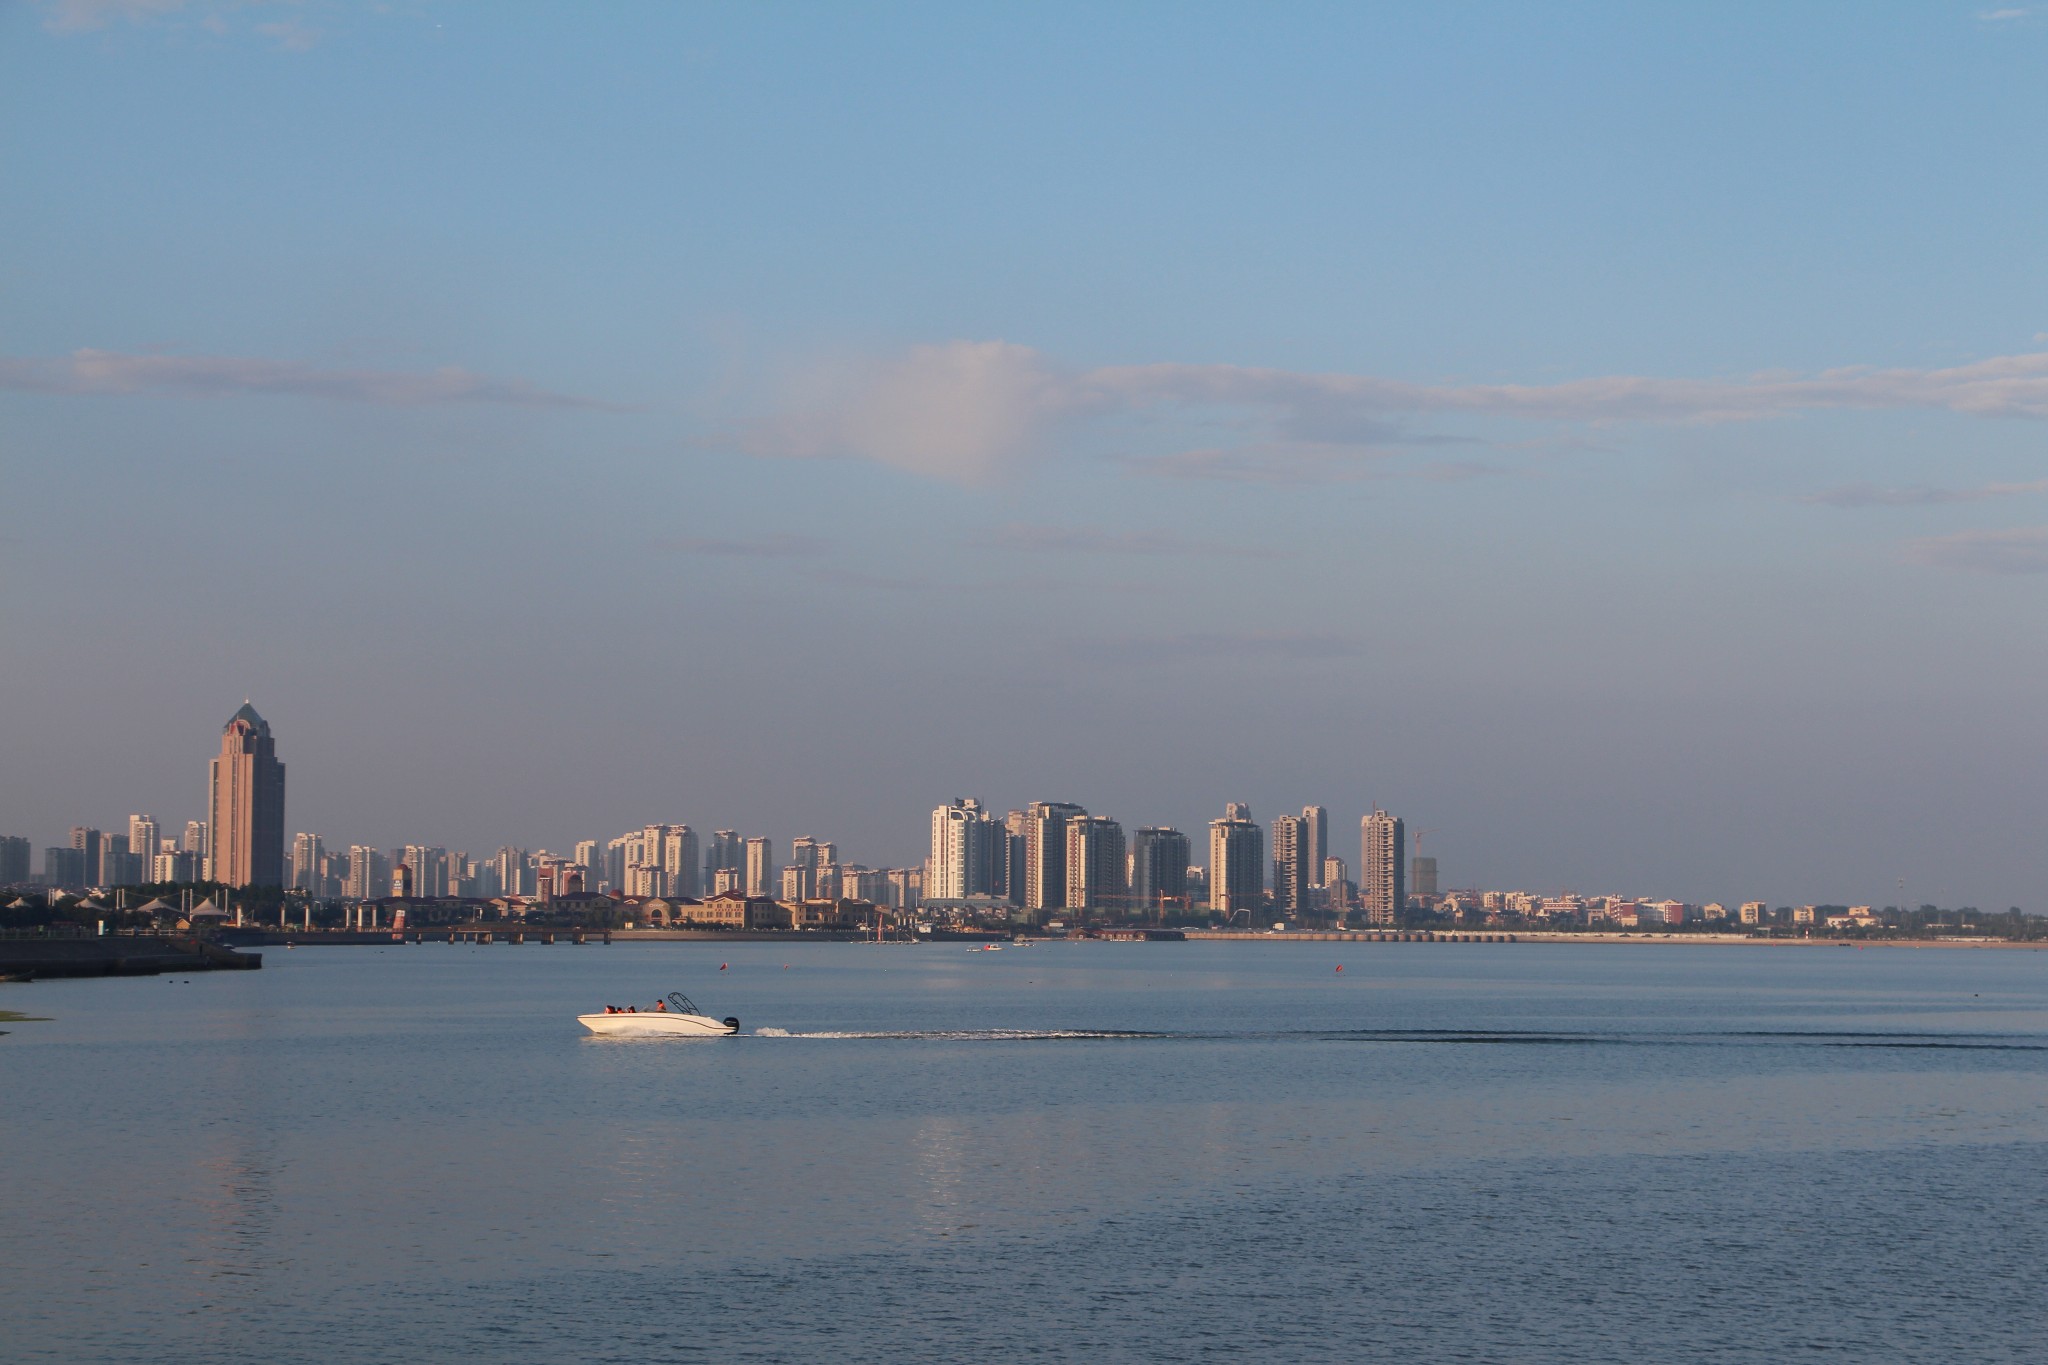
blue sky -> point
(1610, 436)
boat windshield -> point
(678, 1001)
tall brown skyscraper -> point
(245, 805)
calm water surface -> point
(1062, 1152)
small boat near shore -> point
(675, 1017)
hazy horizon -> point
(1609, 438)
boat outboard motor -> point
(731, 1022)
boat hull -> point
(657, 1023)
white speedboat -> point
(675, 1017)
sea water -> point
(1058, 1152)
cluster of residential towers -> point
(1053, 855)
(1049, 856)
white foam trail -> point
(961, 1035)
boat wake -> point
(986, 1035)
(1511, 1037)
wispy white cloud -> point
(974, 410)
(2003, 16)
(114, 372)
(2020, 550)
(2004, 386)
(1870, 495)
(214, 16)
(960, 411)
(82, 16)
(291, 35)
(1084, 540)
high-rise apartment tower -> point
(1382, 880)
(1159, 870)
(1045, 854)
(970, 852)
(307, 853)
(1316, 820)
(761, 878)
(1237, 861)
(1095, 863)
(142, 838)
(1291, 876)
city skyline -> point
(1610, 438)
(1060, 855)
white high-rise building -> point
(1291, 877)
(1045, 854)
(1382, 869)
(857, 883)
(674, 855)
(804, 857)
(726, 850)
(761, 877)
(1336, 891)
(969, 852)
(906, 887)
(514, 870)
(644, 869)
(680, 862)
(1096, 865)
(142, 839)
(429, 866)
(366, 875)
(307, 853)
(615, 862)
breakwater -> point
(119, 955)
(513, 933)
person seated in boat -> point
(661, 1007)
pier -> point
(1355, 936)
